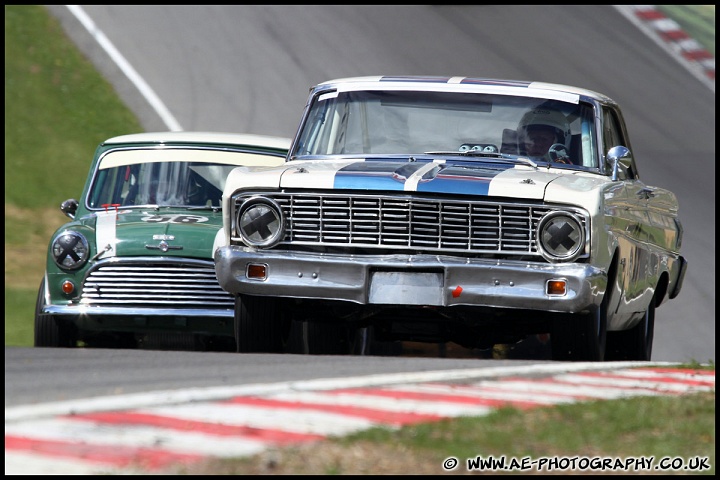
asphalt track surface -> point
(248, 69)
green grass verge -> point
(658, 427)
(57, 109)
(698, 20)
(20, 300)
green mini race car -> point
(134, 267)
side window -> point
(108, 187)
(613, 136)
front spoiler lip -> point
(95, 311)
(513, 284)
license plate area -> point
(406, 288)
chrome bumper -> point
(411, 279)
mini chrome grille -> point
(414, 223)
(167, 285)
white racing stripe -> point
(318, 174)
(106, 232)
(413, 180)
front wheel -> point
(635, 343)
(259, 325)
(49, 330)
(580, 337)
(324, 338)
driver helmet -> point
(541, 117)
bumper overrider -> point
(401, 279)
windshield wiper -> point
(503, 157)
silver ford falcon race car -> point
(451, 209)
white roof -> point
(466, 84)
(249, 139)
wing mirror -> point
(614, 156)
(69, 207)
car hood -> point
(164, 232)
(475, 178)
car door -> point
(634, 232)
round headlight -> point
(70, 250)
(260, 222)
(560, 237)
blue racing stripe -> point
(450, 185)
(462, 181)
(383, 175)
(375, 175)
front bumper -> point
(389, 279)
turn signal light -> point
(556, 287)
(256, 271)
(67, 287)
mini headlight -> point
(70, 250)
(560, 237)
(260, 222)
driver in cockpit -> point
(539, 130)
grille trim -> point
(153, 283)
(411, 222)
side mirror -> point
(614, 156)
(69, 207)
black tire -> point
(381, 348)
(219, 344)
(323, 338)
(49, 330)
(635, 343)
(259, 325)
(580, 337)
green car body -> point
(135, 267)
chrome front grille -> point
(411, 223)
(185, 284)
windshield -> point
(168, 183)
(412, 123)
